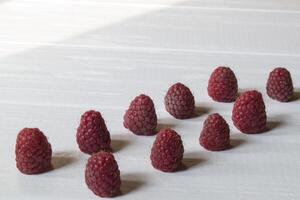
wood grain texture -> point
(59, 58)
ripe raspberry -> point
(141, 117)
(222, 85)
(102, 175)
(33, 152)
(92, 135)
(249, 114)
(280, 85)
(179, 101)
(167, 151)
(215, 133)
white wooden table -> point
(60, 58)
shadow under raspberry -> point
(296, 96)
(201, 110)
(236, 143)
(162, 126)
(191, 160)
(131, 182)
(189, 163)
(271, 125)
(62, 159)
(119, 144)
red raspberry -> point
(92, 135)
(179, 101)
(249, 114)
(280, 85)
(102, 175)
(215, 133)
(222, 85)
(33, 151)
(141, 117)
(167, 151)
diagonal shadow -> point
(132, 48)
(156, 32)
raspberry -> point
(249, 114)
(215, 133)
(141, 117)
(280, 85)
(33, 151)
(179, 101)
(222, 85)
(167, 151)
(92, 135)
(102, 175)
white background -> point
(60, 58)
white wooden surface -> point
(60, 58)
